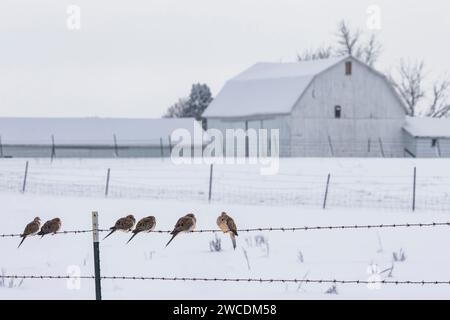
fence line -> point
(411, 191)
(259, 280)
(277, 229)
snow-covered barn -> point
(330, 107)
(90, 137)
(427, 137)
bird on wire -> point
(50, 227)
(227, 225)
(146, 224)
(184, 224)
(31, 229)
(124, 224)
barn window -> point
(337, 112)
(433, 142)
(348, 68)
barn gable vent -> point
(348, 68)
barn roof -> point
(428, 127)
(91, 131)
(267, 88)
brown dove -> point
(184, 224)
(31, 229)
(146, 224)
(227, 225)
(123, 224)
(51, 226)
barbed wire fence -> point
(97, 277)
(395, 192)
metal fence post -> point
(25, 175)
(325, 196)
(210, 181)
(108, 173)
(95, 238)
(414, 190)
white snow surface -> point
(337, 254)
(428, 127)
(266, 88)
(91, 131)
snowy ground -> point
(326, 254)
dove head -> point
(223, 214)
(130, 216)
(37, 219)
(190, 215)
(57, 220)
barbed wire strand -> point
(283, 229)
(260, 280)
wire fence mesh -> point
(245, 185)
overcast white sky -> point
(135, 58)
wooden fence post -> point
(161, 147)
(414, 190)
(95, 238)
(326, 192)
(25, 175)
(331, 146)
(170, 146)
(116, 147)
(438, 147)
(107, 182)
(210, 182)
(381, 146)
(53, 154)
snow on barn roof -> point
(428, 127)
(91, 131)
(266, 88)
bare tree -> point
(347, 43)
(315, 54)
(440, 106)
(410, 84)
(371, 51)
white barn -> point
(330, 107)
(91, 137)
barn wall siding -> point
(369, 111)
(279, 122)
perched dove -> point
(146, 224)
(227, 225)
(51, 226)
(184, 224)
(31, 229)
(123, 224)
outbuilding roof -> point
(91, 131)
(428, 127)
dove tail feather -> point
(174, 235)
(134, 235)
(112, 231)
(23, 239)
(233, 240)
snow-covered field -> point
(338, 254)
